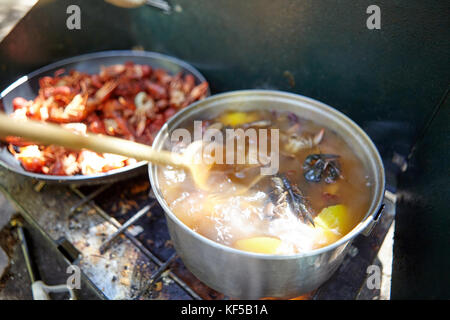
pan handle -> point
(159, 4)
(41, 291)
(374, 220)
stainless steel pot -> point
(249, 275)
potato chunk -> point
(235, 119)
(267, 245)
(335, 218)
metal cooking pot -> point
(248, 275)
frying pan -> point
(28, 87)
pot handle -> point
(159, 4)
(373, 221)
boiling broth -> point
(254, 219)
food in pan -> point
(320, 192)
(129, 101)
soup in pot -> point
(319, 191)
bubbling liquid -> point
(258, 218)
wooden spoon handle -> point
(47, 133)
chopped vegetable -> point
(331, 188)
(325, 236)
(234, 119)
(267, 245)
(334, 218)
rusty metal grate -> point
(130, 205)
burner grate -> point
(133, 211)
